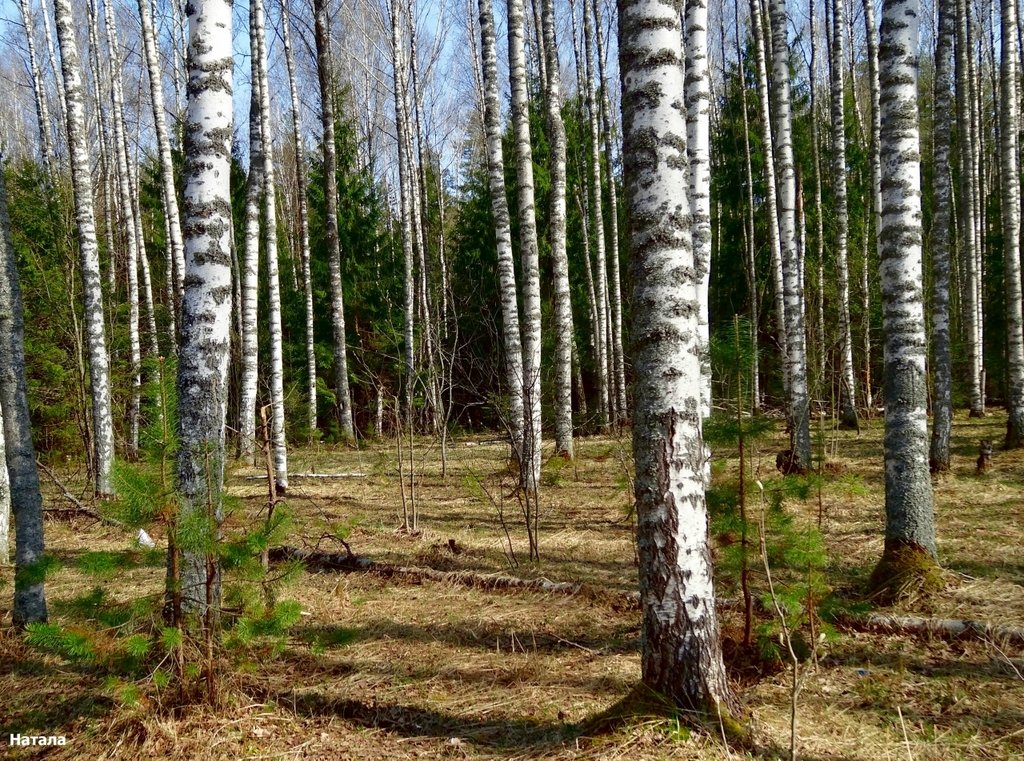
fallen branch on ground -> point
(263, 477)
(79, 507)
(945, 628)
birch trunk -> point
(909, 552)
(503, 230)
(771, 195)
(942, 369)
(303, 211)
(556, 231)
(615, 286)
(259, 38)
(206, 307)
(698, 148)
(92, 289)
(847, 387)
(62, 99)
(530, 265)
(751, 263)
(871, 31)
(796, 354)
(39, 90)
(25, 496)
(163, 144)
(324, 72)
(1010, 217)
(682, 656)
(604, 348)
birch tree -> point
(20, 460)
(530, 259)
(910, 554)
(92, 289)
(796, 353)
(206, 307)
(38, 89)
(556, 233)
(343, 399)
(681, 657)
(698, 148)
(942, 369)
(502, 231)
(1009, 176)
(847, 386)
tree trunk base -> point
(905, 571)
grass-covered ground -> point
(391, 668)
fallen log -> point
(942, 628)
(349, 563)
(263, 477)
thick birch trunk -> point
(556, 233)
(503, 230)
(259, 38)
(303, 211)
(25, 497)
(530, 265)
(796, 356)
(92, 289)
(909, 526)
(847, 387)
(942, 370)
(698, 148)
(1010, 216)
(682, 657)
(206, 307)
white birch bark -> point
(259, 39)
(163, 144)
(530, 266)
(206, 307)
(751, 262)
(303, 213)
(556, 233)
(847, 387)
(62, 98)
(910, 524)
(698, 148)
(942, 370)
(796, 353)
(871, 37)
(1009, 139)
(511, 338)
(771, 197)
(92, 289)
(38, 89)
(20, 459)
(681, 657)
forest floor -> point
(399, 667)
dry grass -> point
(384, 669)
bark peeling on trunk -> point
(682, 656)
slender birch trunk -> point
(556, 232)
(163, 144)
(871, 32)
(92, 289)
(847, 387)
(530, 265)
(303, 212)
(249, 307)
(604, 348)
(698, 148)
(503, 231)
(1010, 216)
(796, 354)
(62, 98)
(20, 459)
(942, 369)
(682, 656)
(324, 72)
(206, 307)
(771, 194)
(39, 90)
(615, 286)
(909, 554)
